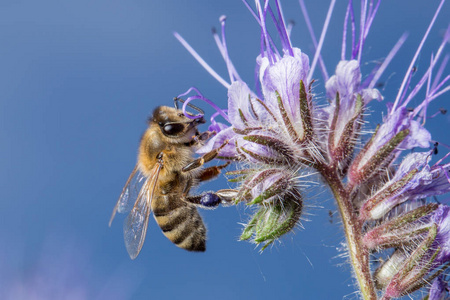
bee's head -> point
(174, 124)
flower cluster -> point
(281, 135)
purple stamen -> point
(412, 71)
(380, 70)
(362, 28)
(282, 26)
(313, 37)
(353, 22)
(321, 40)
(201, 61)
(440, 71)
(199, 96)
(447, 78)
(371, 16)
(439, 112)
(289, 27)
(214, 125)
(262, 18)
(427, 92)
(365, 24)
(344, 34)
(429, 70)
(214, 116)
(278, 26)
(416, 55)
(445, 156)
(262, 32)
(225, 49)
(251, 11)
(222, 46)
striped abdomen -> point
(180, 222)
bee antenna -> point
(199, 96)
(176, 100)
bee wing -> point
(130, 193)
(135, 226)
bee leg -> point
(211, 172)
(204, 136)
(213, 199)
(204, 159)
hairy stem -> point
(359, 254)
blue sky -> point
(78, 80)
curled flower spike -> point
(412, 267)
(345, 115)
(282, 134)
(414, 179)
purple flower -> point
(282, 134)
(412, 265)
(441, 218)
(414, 179)
(439, 289)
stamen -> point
(362, 26)
(441, 111)
(416, 55)
(440, 71)
(230, 66)
(282, 26)
(371, 16)
(352, 15)
(429, 70)
(313, 37)
(224, 52)
(387, 60)
(214, 125)
(262, 18)
(445, 156)
(251, 11)
(289, 27)
(200, 97)
(366, 23)
(413, 70)
(262, 33)
(322, 38)
(201, 61)
(344, 32)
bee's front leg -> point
(200, 137)
(213, 199)
(211, 172)
(204, 158)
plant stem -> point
(359, 255)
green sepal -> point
(411, 275)
(287, 122)
(400, 231)
(277, 220)
(252, 181)
(271, 143)
(305, 113)
(249, 229)
(390, 191)
(345, 146)
(378, 161)
(278, 187)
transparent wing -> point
(130, 193)
(135, 226)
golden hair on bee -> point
(162, 178)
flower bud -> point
(272, 221)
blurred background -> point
(78, 80)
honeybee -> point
(162, 178)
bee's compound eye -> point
(173, 128)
